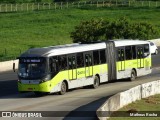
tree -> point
(99, 29)
(88, 31)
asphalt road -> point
(156, 59)
(82, 99)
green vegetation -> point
(88, 31)
(122, 28)
(23, 30)
(149, 104)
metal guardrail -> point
(64, 5)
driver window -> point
(53, 64)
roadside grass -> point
(147, 105)
(23, 30)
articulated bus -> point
(60, 68)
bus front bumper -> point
(42, 87)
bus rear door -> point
(140, 59)
(121, 58)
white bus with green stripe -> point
(60, 68)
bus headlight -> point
(46, 78)
(42, 81)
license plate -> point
(30, 88)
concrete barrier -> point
(130, 95)
(150, 88)
(124, 98)
(112, 104)
(8, 65)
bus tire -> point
(63, 88)
(96, 82)
(133, 75)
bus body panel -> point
(55, 83)
(128, 65)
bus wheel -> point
(96, 82)
(133, 75)
(63, 88)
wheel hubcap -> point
(96, 82)
(133, 76)
(63, 87)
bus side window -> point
(71, 62)
(128, 52)
(119, 54)
(146, 50)
(122, 54)
(134, 52)
(80, 60)
(140, 53)
(50, 65)
(88, 60)
(102, 56)
(96, 57)
(62, 61)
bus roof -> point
(60, 50)
(73, 48)
(119, 43)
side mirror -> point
(14, 67)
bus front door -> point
(88, 65)
(72, 72)
(140, 59)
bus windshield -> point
(29, 70)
